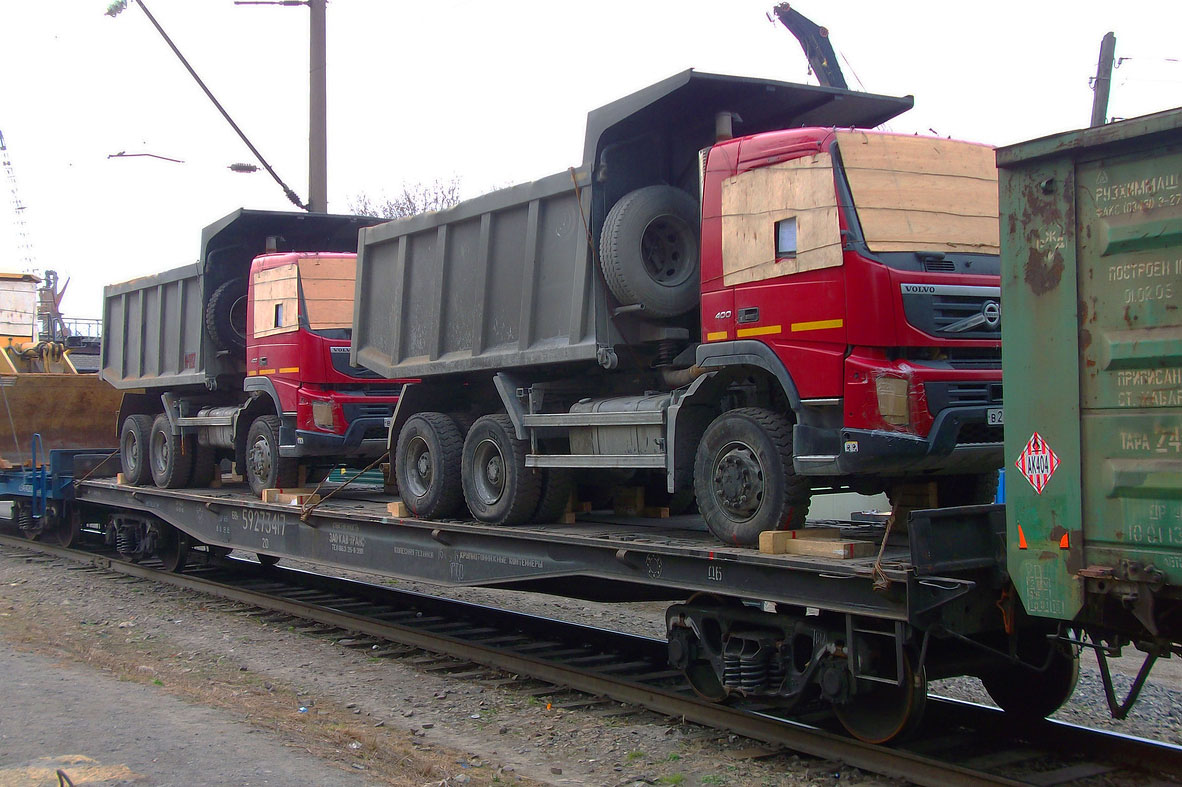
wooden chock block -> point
(835, 548)
(781, 542)
(655, 512)
(119, 479)
(813, 532)
(398, 509)
(295, 497)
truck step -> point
(596, 460)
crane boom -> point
(814, 40)
(24, 245)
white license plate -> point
(387, 421)
(995, 416)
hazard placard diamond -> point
(1037, 462)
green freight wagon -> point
(1091, 242)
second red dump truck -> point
(811, 306)
(244, 355)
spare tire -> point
(649, 250)
(225, 315)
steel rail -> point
(775, 731)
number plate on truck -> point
(995, 416)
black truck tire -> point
(498, 487)
(225, 315)
(427, 465)
(170, 455)
(265, 468)
(133, 449)
(557, 485)
(205, 465)
(648, 250)
(743, 476)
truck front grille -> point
(971, 394)
(953, 311)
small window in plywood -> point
(786, 238)
(276, 300)
(922, 193)
(780, 220)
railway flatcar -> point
(1086, 555)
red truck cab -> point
(299, 319)
(867, 265)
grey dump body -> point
(154, 332)
(509, 280)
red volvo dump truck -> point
(245, 356)
(742, 290)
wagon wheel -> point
(173, 549)
(1030, 694)
(69, 529)
(886, 712)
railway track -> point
(960, 743)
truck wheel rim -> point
(666, 252)
(133, 450)
(419, 462)
(260, 458)
(160, 454)
(738, 481)
(490, 472)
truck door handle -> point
(750, 314)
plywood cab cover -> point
(922, 193)
(328, 291)
(754, 202)
(276, 300)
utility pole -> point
(317, 111)
(1103, 81)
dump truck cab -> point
(866, 264)
(299, 319)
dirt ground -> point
(151, 683)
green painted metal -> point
(1092, 356)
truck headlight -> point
(893, 405)
(322, 415)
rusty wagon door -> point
(1092, 356)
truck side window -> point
(279, 315)
(786, 238)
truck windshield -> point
(326, 295)
(921, 193)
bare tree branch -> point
(412, 199)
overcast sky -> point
(492, 92)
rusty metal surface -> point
(68, 410)
(1092, 355)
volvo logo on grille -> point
(988, 318)
(991, 311)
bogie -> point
(726, 649)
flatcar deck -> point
(598, 556)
